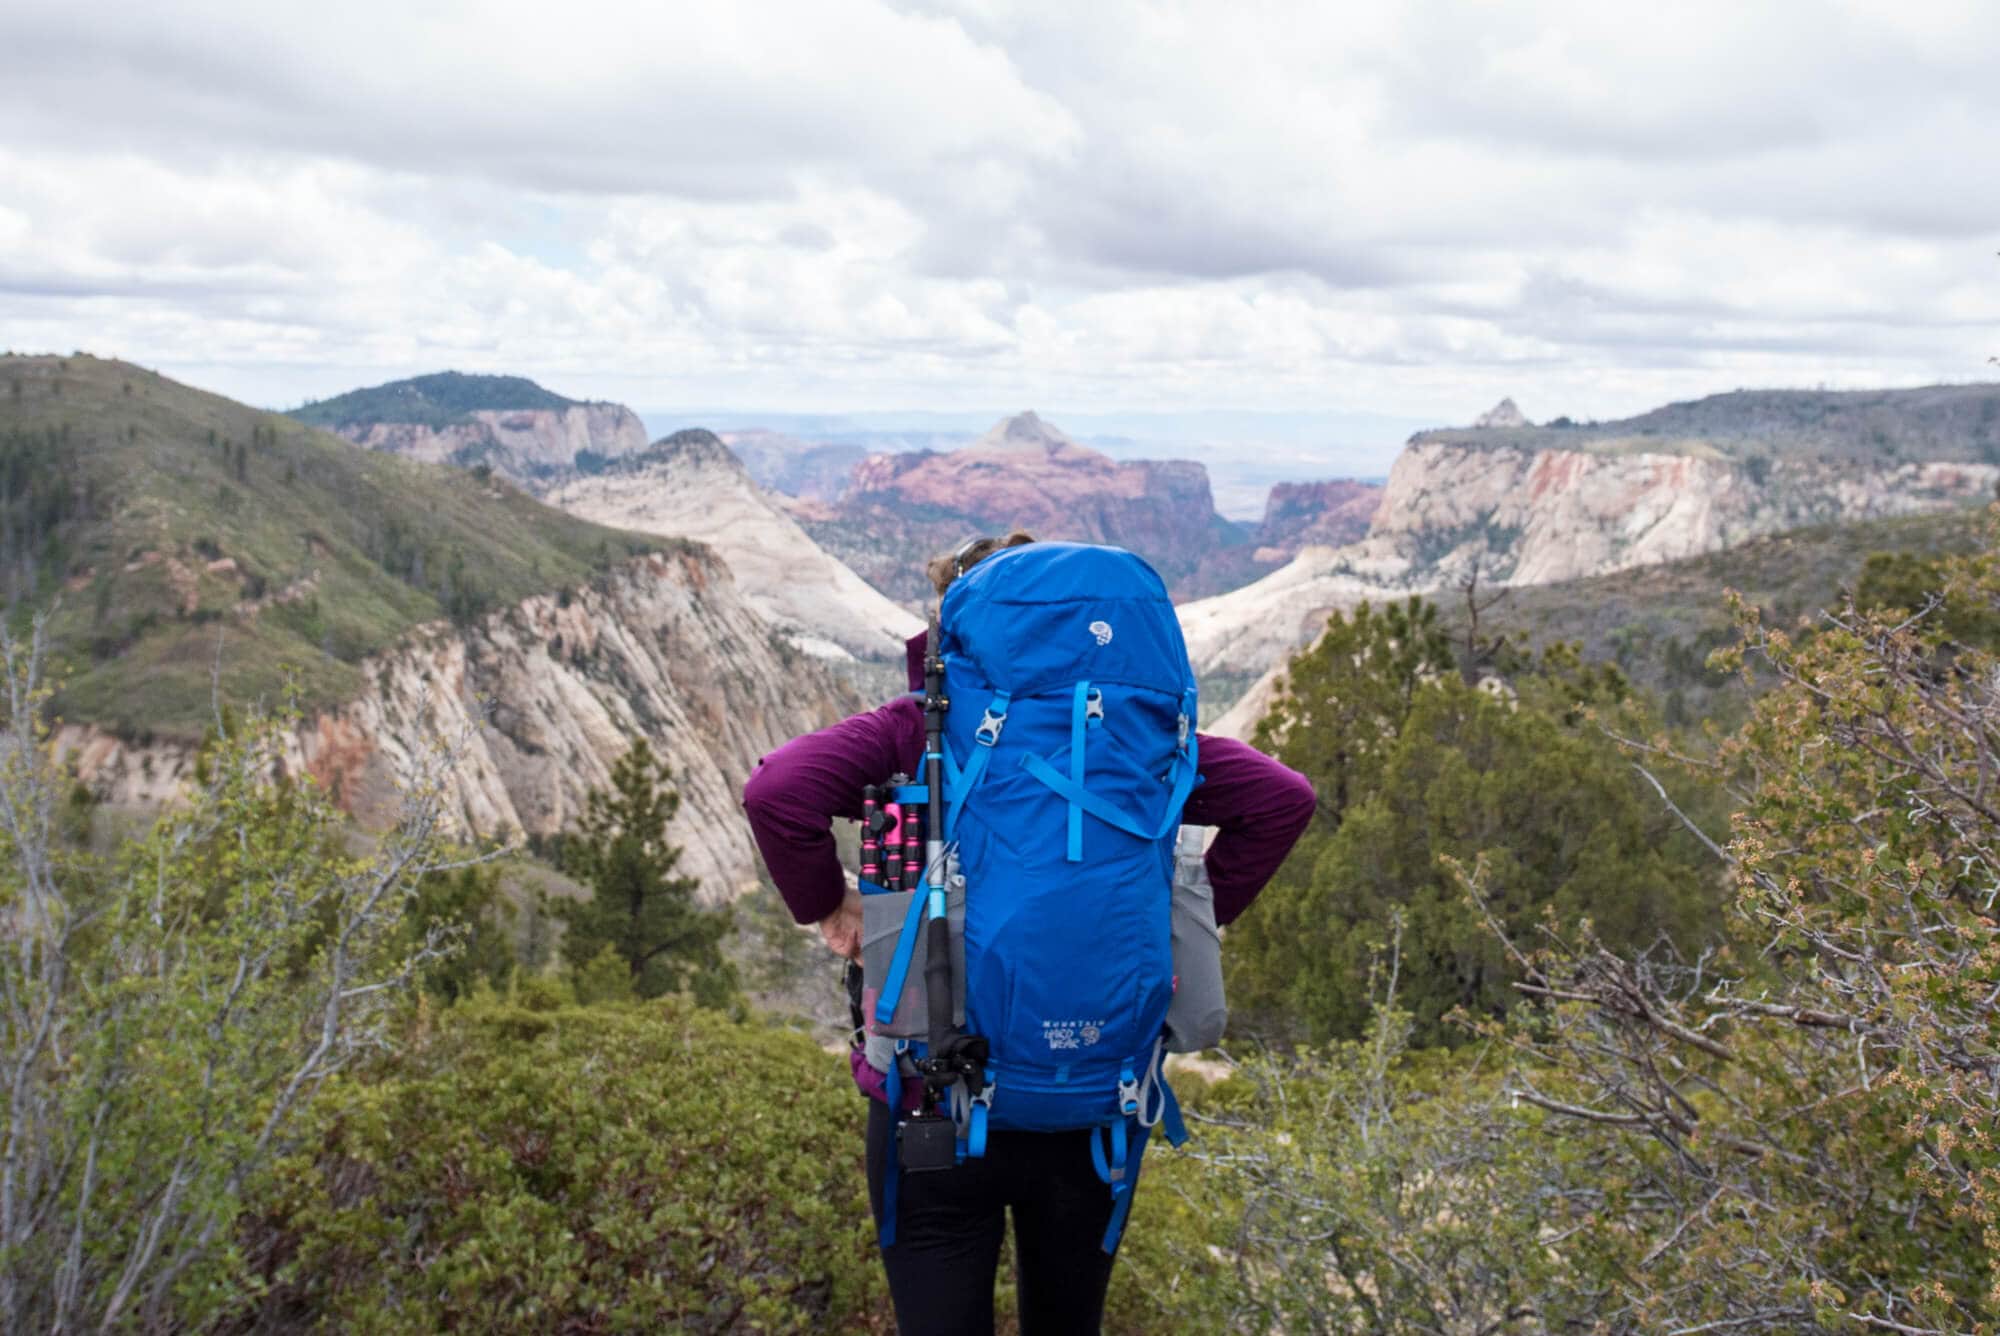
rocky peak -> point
(1503, 414)
(690, 447)
(1024, 431)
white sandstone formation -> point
(546, 696)
(1527, 516)
(521, 443)
(691, 486)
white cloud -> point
(1132, 205)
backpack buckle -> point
(1093, 705)
(988, 731)
(1128, 1091)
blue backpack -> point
(1069, 755)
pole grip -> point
(937, 982)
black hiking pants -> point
(949, 1227)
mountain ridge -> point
(691, 485)
(207, 553)
(508, 424)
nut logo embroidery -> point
(1071, 1034)
(1102, 630)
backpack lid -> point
(1047, 615)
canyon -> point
(539, 700)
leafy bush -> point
(168, 1016)
(650, 1166)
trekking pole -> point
(913, 872)
(937, 965)
(871, 836)
(892, 845)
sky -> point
(1369, 214)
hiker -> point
(942, 1231)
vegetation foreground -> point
(1564, 1021)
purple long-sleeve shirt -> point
(1259, 805)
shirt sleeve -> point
(795, 793)
(1261, 807)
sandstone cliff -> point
(527, 445)
(1531, 505)
(507, 423)
(901, 508)
(690, 485)
(548, 694)
(1307, 514)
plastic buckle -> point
(1181, 733)
(988, 731)
(1093, 705)
(1128, 1092)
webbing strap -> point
(1157, 1105)
(885, 1228)
(959, 783)
(1121, 1196)
(1110, 1169)
(1076, 717)
(1107, 811)
(899, 964)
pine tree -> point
(638, 905)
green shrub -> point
(616, 1168)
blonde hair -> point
(948, 566)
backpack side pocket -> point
(1199, 1014)
(886, 920)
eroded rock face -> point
(525, 444)
(1534, 516)
(1304, 514)
(690, 485)
(902, 508)
(545, 697)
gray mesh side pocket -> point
(882, 918)
(1198, 1014)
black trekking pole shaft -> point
(937, 965)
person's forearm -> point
(797, 790)
(1260, 807)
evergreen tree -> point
(638, 906)
(1414, 768)
(1344, 700)
(467, 904)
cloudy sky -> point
(1403, 209)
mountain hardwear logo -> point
(1102, 630)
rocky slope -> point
(545, 696)
(1533, 505)
(1658, 623)
(511, 425)
(690, 485)
(1306, 514)
(900, 509)
(785, 464)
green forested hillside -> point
(181, 530)
(1660, 623)
(437, 400)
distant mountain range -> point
(899, 509)
(413, 585)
